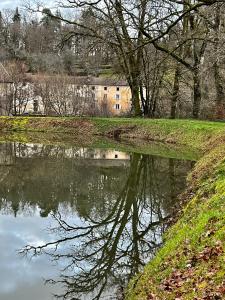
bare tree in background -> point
(20, 90)
(62, 95)
(156, 45)
(127, 26)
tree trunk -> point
(219, 82)
(176, 88)
(136, 99)
(143, 101)
(220, 95)
(197, 93)
(182, 54)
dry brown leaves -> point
(181, 282)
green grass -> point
(188, 132)
(191, 264)
(185, 132)
(199, 232)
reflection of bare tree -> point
(107, 250)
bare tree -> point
(218, 59)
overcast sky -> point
(9, 3)
(4, 4)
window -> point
(117, 97)
(116, 156)
(105, 88)
(117, 106)
(117, 89)
(93, 88)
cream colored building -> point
(66, 95)
(83, 95)
(116, 93)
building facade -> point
(65, 95)
(79, 96)
(115, 93)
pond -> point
(80, 222)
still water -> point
(79, 222)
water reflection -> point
(109, 208)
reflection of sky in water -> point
(21, 278)
(81, 190)
(24, 278)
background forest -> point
(170, 52)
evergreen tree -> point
(47, 17)
(1, 20)
(58, 19)
(17, 16)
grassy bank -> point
(183, 132)
(191, 264)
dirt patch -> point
(118, 132)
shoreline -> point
(182, 132)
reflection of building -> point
(6, 157)
(104, 157)
(31, 150)
(8, 153)
(101, 157)
(103, 154)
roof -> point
(80, 80)
(110, 81)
